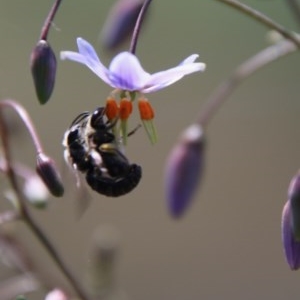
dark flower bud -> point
(184, 169)
(294, 199)
(47, 170)
(43, 68)
(120, 22)
(290, 245)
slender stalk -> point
(20, 169)
(49, 19)
(138, 26)
(25, 214)
(247, 68)
(19, 109)
(295, 9)
(263, 19)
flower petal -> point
(163, 79)
(86, 49)
(74, 56)
(87, 56)
(189, 60)
(126, 72)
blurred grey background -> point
(228, 245)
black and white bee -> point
(92, 149)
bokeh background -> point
(228, 245)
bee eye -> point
(97, 119)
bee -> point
(92, 149)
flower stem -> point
(263, 19)
(295, 9)
(19, 109)
(23, 210)
(138, 26)
(20, 169)
(49, 19)
(247, 68)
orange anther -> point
(125, 108)
(146, 110)
(111, 109)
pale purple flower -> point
(125, 71)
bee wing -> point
(80, 189)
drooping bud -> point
(56, 294)
(294, 199)
(120, 22)
(147, 116)
(125, 112)
(290, 245)
(43, 68)
(184, 169)
(47, 170)
(36, 192)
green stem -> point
(295, 9)
(263, 19)
(138, 26)
(247, 68)
(49, 19)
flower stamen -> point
(146, 110)
(147, 116)
(111, 109)
(125, 109)
(125, 112)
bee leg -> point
(134, 130)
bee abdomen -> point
(114, 186)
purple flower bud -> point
(49, 173)
(290, 245)
(294, 199)
(184, 169)
(43, 68)
(120, 22)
